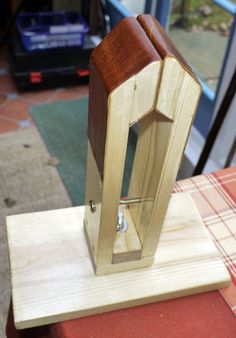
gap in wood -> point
(127, 246)
(129, 158)
(148, 162)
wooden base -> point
(53, 279)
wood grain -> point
(115, 150)
(162, 138)
(186, 102)
(123, 53)
(121, 93)
(127, 246)
(161, 41)
(137, 74)
(53, 279)
(148, 163)
(97, 117)
(93, 193)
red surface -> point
(205, 315)
(230, 185)
(35, 77)
(83, 72)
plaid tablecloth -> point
(215, 198)
(206, 315)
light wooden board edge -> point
(119, 107)
(126, 104)
(159, 151)
(113, 307)
(93, 192)
(150, 153)
(184, 110)
(44, 292)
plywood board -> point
(53, 279)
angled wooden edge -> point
(159, 151)
(184, 111)
(53, 280)
(161, 41)
(174, 65)
(148, 76)
(123, 53)
(133, 45)
(126, 104)
(162, 142)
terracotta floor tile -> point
(16, 109)
(7, 84)
(84, 89)
(43, 96)
(66, 94)
(2, 99)
(6, 126)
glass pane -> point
(200, 30)
(134, 6)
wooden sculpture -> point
(136, 75)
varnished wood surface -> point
(136, 72)
(97, 117)
(125, 71)
(161, 40)
(124, 52)
(127, 49)
(53, 279)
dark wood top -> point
(132, 45)
(161, 41)
(123, 53)
(97, 117)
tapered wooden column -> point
(136, 75)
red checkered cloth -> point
(215, 198)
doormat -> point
(63, 127)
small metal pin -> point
(134, 200)
(122, 224)
(92, 206)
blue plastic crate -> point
(46, 30)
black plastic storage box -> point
(51, 67)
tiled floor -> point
(15, 106)
(25, 171)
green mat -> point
(63, 127)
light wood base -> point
(53, 279)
